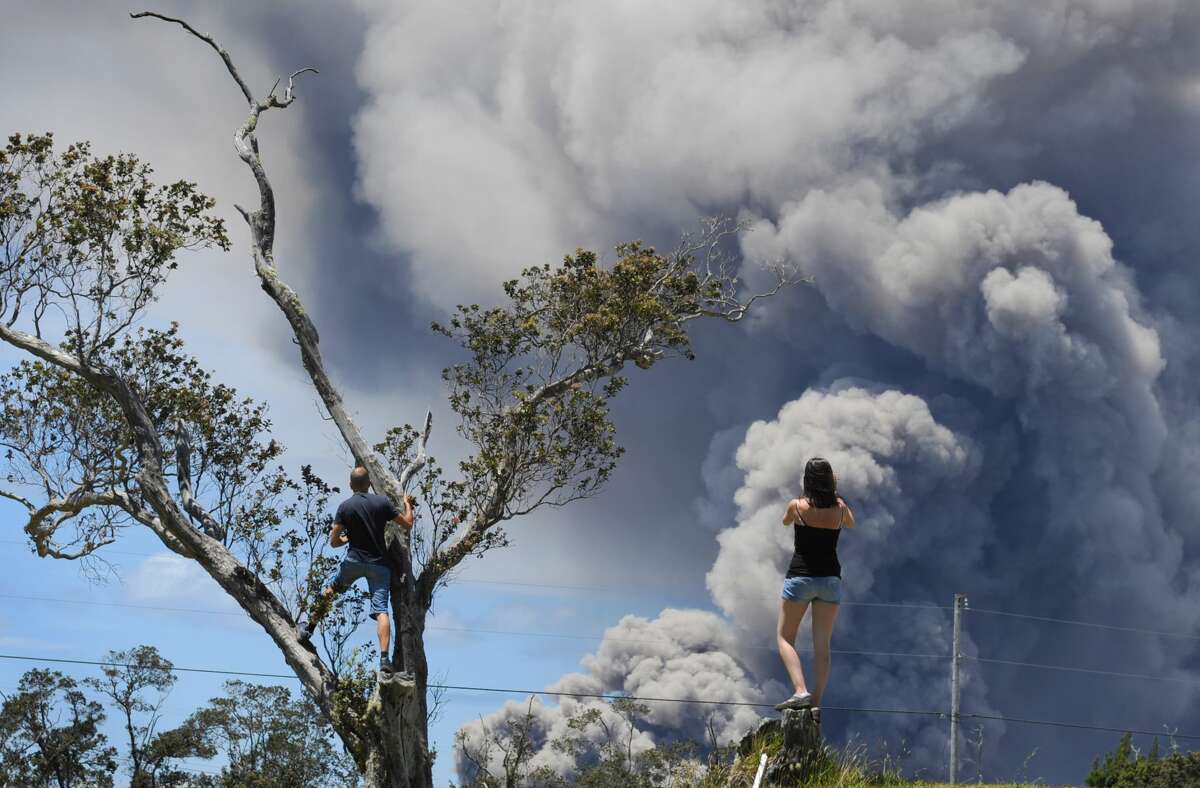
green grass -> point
(836, 769)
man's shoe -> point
(305, 636)
(797, 701)
(385, 665)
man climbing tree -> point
(108, 427)
(360, 523)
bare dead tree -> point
(140, 436)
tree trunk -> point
(396, 729)
(397, 751)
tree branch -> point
(41, 348)
(171, 523)
(43, 524)
(233, 72)
(14, 497)
(183, 477)
(421, 457)
(262, 230)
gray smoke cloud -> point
(546, 130)
(995, 348)
(681, 654)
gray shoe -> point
(797, 701)
(305, 636)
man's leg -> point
(324, 603)
(383, 627)
(320, 609)
(379, 579)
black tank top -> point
(816, 551)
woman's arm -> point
(847, 514)
(793, 512)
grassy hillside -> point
(840, 769)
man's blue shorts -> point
(813, 589)
(379, 582)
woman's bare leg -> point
(790, 616)
(823, 616)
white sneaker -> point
(797, 701)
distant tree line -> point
(266, 736)
(1125, 767)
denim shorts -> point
(379, 582)
(813, 589)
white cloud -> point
(169, 580)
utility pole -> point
(960, 604)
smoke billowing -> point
(990, 198)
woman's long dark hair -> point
(820, 488)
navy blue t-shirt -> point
(364, 516)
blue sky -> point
(994, 204)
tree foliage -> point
(533, 394)
(136, 681)
(50, 735)
(67, 443)
(1124, 767)
(87, 240)
(272, 739)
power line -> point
(64, 661)
(1081, 726)
(188, 769)
(647, 699)
(461, 688)
(464, 630)
(130, 605)
(1094, 625)
(1092, 671)
(612, 696)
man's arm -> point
(405, 518)
(337, 536)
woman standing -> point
(814, 577)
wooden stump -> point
(765, 728)
(803, 749)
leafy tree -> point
(108, 426)
(272, 739)
(125, 681)
(49, 735)
(1126, 768)
(162, 754)
(136, 682)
